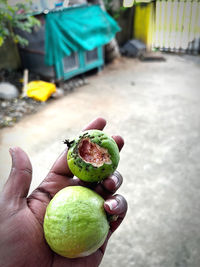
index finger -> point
(98, 124)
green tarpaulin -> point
(73, 29)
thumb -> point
(19, 180)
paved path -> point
(156, 108)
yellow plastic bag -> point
(40, 90)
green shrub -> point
(12, 17)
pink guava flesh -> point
(93, 153)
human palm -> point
(22, 240)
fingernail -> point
(11, 151)
(116, 180)
(112, 203)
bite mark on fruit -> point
(92, 153)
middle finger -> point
(110, 185)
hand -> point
(22, 240)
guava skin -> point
(75, 222)
(85, 170)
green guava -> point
(75, 222)
(92, 156)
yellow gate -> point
(144, 23)
(172, 25)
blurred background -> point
(64, 63)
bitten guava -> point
(92, 156)
(75, 222)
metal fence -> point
(177, 26)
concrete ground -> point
(156, 108)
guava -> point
(92, 156)
(75, 222)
